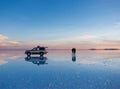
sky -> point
(60, 24)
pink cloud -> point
(2, 37)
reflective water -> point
(60, 69)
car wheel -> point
(28, 54)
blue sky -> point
(60, 22)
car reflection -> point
(73, 57)
(37, 60)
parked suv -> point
(37, 50)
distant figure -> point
(74, 50)
(73, 54)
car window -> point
(34, 49)
(37, 49)
(42, 48)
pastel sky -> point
(60, 23)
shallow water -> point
(59, 69)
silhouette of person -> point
(74, 50)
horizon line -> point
(64, 49)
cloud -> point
(79, 38)
(80, 42)
(15, 42)
(88, 37)
(74, 39)
(5, 42)
(111, 41)
(10, 43)
(2, 37)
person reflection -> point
(37, 60)
(73, 57)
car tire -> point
(41, 54)
(28, 54)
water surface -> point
(59, 69)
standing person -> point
(74, 50)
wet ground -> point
(60, 69)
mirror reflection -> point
(37, 60)
(73, 57)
